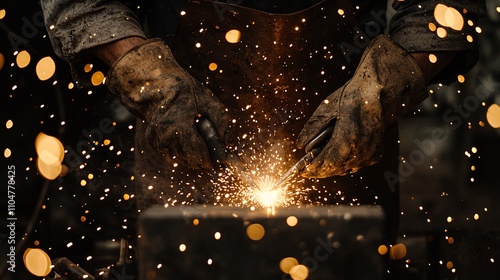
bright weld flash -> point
(266, 196)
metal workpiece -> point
(213, 242)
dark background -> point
(439, 185)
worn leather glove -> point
(386, 85)
(152, 85)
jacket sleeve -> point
(74, 26)
(430, 26)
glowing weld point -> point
(267, 198)
(266, 195)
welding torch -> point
(312, 149)
(220, 155)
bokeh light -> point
(287, 263)
(48, 171)
(217, 235)
(212, 66)
(432, 27)
(439, 12)
(2, 61)
(292, 221)
(37, 262)
(97, 78)
(49, 148)
(448, 17)
(50, 153)
(299, 272)
(45, 68)
(432, 58)
(2, 13)
(382, 250)
(233, 36)
(7, 153)
(182, 247)
(441, 32)
(88, 67)
(493, 115)
(23, 59)
(454, 19)
(255, 232)
(398, 251)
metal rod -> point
(313, 149)
(220, 155)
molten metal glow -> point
(266, 196)
(230, 191)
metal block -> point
(318, 242)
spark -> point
(268, 198)
(229, 191)
(265, 196)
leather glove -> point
(386, 85)
(152, 85)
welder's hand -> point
(386, 85)
(152, 85)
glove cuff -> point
(398, 74)
(132, 77)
